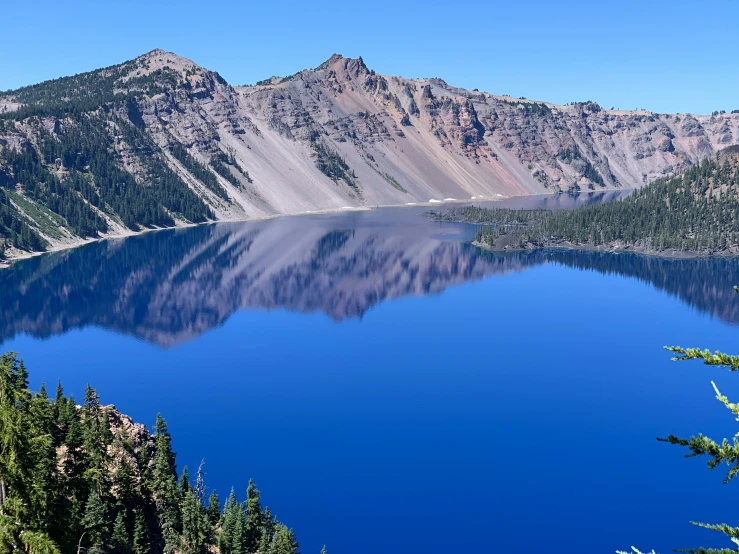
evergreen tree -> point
(164, 487)
(196, 529)
(94, 522)
(141, 539)
(214, 508)
(254, 522)
(95, 448)
(185, 482)
(284, 541)
(106, 433)
(120, 541)
(232, 515)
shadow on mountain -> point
(171, 286)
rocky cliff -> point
(180, 145)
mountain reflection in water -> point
(171, 286)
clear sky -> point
(675, 56)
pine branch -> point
(702, 550)
(721, 528)
(717, 358)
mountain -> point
(160, 141)
(169, 288)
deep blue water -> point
(392, 389)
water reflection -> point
(171, 286)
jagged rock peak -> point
(331, 61)
(354, 65)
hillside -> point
(160, 141)
(694, 213)
(86, 478)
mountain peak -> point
(331, 61)
(157, 59)
(160, 58)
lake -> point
(391, 388)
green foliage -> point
(86, 154)
(199, 171)
(573, 157)
(697, 211)
(94, 521)
(141, 540)
(726, 452)
(530, 108)
(220, 168)
(331, 164)
(214, 508)
(85, 92)
(394, 182)
(71, 479)
(15, 230)
(120, 541)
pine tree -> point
(120, 541)
(254, 523)
(106, 433)
(141, 540)
(284, 541)
(196, 529)
(232, 514)
(164, 487)
(185, 482)
(94, 522)
(214, 508)
(58, 408)
(238, 540)
(14, 460)
(92, 430)
(42, 413)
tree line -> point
(697, 211)
(76, 172)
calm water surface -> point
(392, 389)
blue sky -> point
(664, 56)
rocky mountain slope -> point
(160, 141)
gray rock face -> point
(342, 135)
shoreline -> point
(665, 254)
(19, 255)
